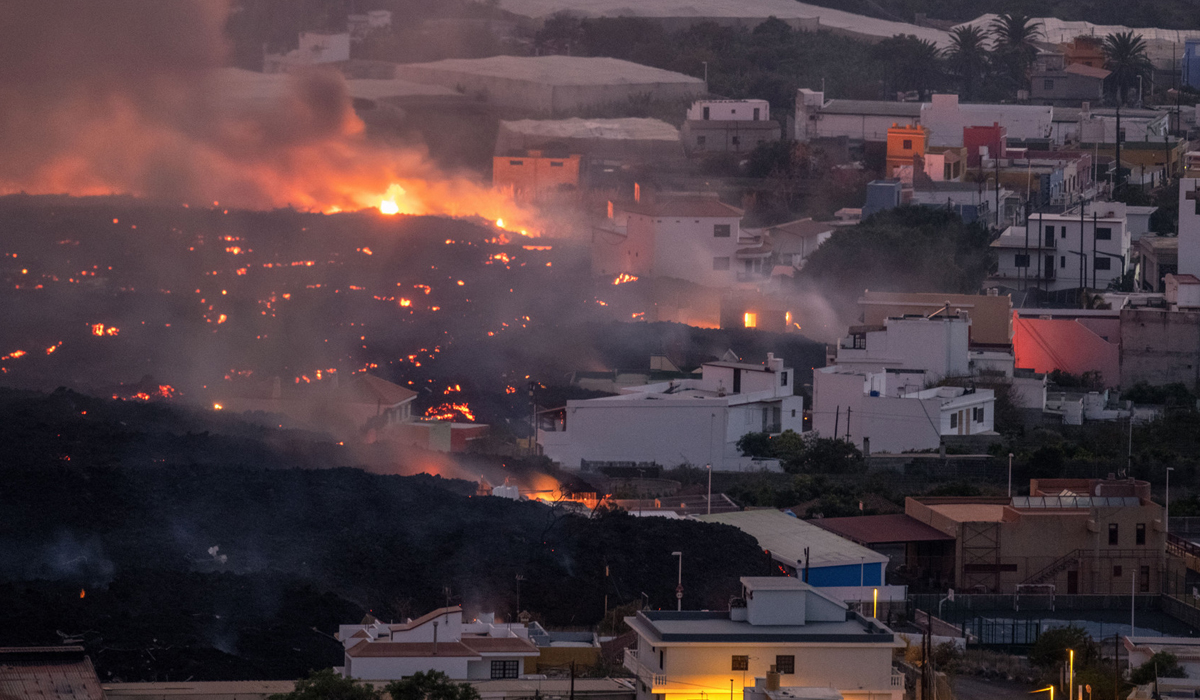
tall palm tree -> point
(1015, 34)
(967, 56)
(1125, 55)
(911, 64)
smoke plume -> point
(127, 96)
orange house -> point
(1085, 50)
(534, 175)
(905, 146)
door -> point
(1072, 582)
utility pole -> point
(532, 421)
(679, 584)
(1010, 458)
(1093, 249)
(847, 424)
(709, 489)
(1117, 182)
(521, 578)
(1167, 505)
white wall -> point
(892, 424)
(685, 248)
(730, 110)
(394, 668)
(1189, 226)
(667, 431)
(946, 118)
(938, 346)
(324, 48)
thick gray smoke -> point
(128, 96)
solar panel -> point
(1048, 502)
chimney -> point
(772, 678)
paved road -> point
(970, 688)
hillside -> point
(1166, 14)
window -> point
(740, 663)
(1062, 232)
(783, 379)
(706, 112)
(701, 140)
(1062, 261)
(516, 162)
(908, 144)
(859, 341)
(720, 263)
(1144, 580)
(756, 112)
(977, 414)
(1112, 534)
(785, 664)
(1139, 533)
(735, 141)
(556, 164)
(953, 421)
(1116, 572)
(1021, 260)
(1104, 234)
(1102, 263)
(505, 669)
(1049, 235)
(721, 230)
(662, 659)
(1047, 84)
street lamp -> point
(679, 584)
(1010, 456)
(709, 466)
(1047, 688)
(1071, 675)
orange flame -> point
(625, 277)
(82, 593)
(450, 411)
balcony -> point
(644, 673)
(897, 680)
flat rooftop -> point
(971, 512)
(633, 129)
(706, 626)
(553, 70)
(786, 537)
(883, 529)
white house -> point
(1046, 253)
(438, 641)
(937, 346)
(1189, 215)
(781, 624)
(891, 411)
(840, 567)
(685, 421)
(729, 110)
(693, 238)
(944, 116)
(315, 48)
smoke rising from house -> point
(126, 97)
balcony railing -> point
(644, 673)
(897, 680)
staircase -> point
(1055, 567)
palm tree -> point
(911, 64)
(1015, 34)
(1125, 56)
(968, 56)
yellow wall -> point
(897, 154)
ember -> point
(625, 277)
(450, 412)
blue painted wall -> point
(846, 575)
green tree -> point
(967, 58)
(755, 445)
(909, 64)
(1164, 664)
(1051, 647)
(431, 685)
(329, 685)
(1125, 55)
(1015, 34)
